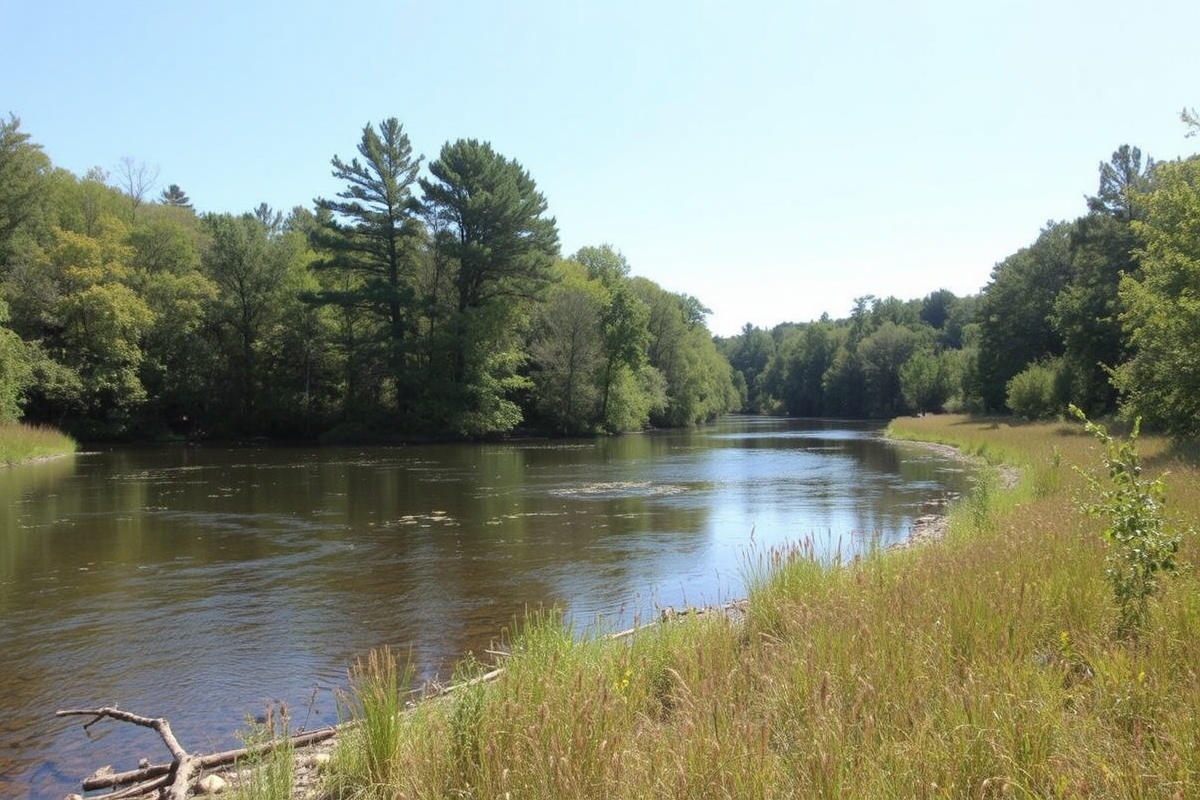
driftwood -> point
(185, 768)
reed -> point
(20, 443)
(983, 665)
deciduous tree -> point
(1161, 381)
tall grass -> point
(983, 665)
(269, 775)
(19, 443)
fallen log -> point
(184, 768)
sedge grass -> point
(982, 665)
(20, 443)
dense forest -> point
(415, 303)
(431, 300)
(1102, 311)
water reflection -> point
(201, 583)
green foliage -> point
(699, 382)
(23, 191)
(928, 381)
(374, 706)
(268, 772)
(16, 371)
(368, 244)
(568, 352)
(1160, 382)
(882, 354)
(1086, 310)
(1141, 547)
(1016, 308)
(1038, 391)
(500, 247)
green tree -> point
(1121, 179)
(16, 371)
(96, 326)
(882, 354)
(1102, 250)
(1015, 311)
(698, 379)
(1086, 311)
(567, 352)
(165, 272)
(928, 380)
(1161, 379)
(24, 197)
(368, 242)
(749, 354)
(254, 317)
(794, 377)
(174, 196)
(623, 324)
(503, 248)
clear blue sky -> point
(774, 159)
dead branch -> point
(184, 768)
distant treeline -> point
(429, 303)
(435, 303)
(1102, 311)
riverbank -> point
(981, 665)
(23, 444)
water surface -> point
(203, 583)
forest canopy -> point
(423, 300)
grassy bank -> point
(20, 443)
(981, 665)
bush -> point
(1039, 391)
(1140, 545)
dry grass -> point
(20, 443)
(980, 666)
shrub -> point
(1140, 545)
(1038, 391)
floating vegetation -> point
(607, 490)
(422, 520)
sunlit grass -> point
(19, 443)
(982, 665)
(269, 775)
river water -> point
(201, 584)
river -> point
(203, 583)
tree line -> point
(432, 300)
(423, 300)
(1102, 311)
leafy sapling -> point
(1141, 547)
